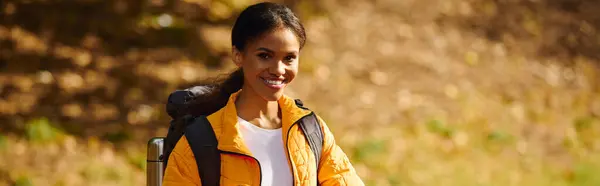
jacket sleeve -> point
(335, 167)
(180, 170)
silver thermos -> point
(154, 164)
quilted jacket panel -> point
(239, 168)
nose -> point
(277, 69)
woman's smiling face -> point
(269, 62)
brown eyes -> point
(266, 56)
(289, 58)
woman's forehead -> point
(279, 40)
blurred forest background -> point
(417, 92)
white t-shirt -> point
(266, 145)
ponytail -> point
(232, 84)
(218, 94)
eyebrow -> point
(265, 49)
(271, 51)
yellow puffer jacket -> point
(238, 167)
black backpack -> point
(202, 139)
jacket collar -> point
(225, 123)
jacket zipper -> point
(259, 169)
(288, 149)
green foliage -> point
(368, 149)
(569, 142)
(438, 127)
(40, 130)
(91, 172)
(3, 143)
(138, 160)
(583, 123)
(139, 163)
(23, 181)
(113, 174)
(497, 140)
(587, 131)
(586, 174)
(394, 180)
(499, 136)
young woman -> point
(254, 120)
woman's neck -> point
(258, 111)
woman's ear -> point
(237, 56)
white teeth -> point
(274, 82)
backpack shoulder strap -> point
(203, 142)
(175, 131)
(312, 130)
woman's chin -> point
(273, 96)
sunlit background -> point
(417, 92)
